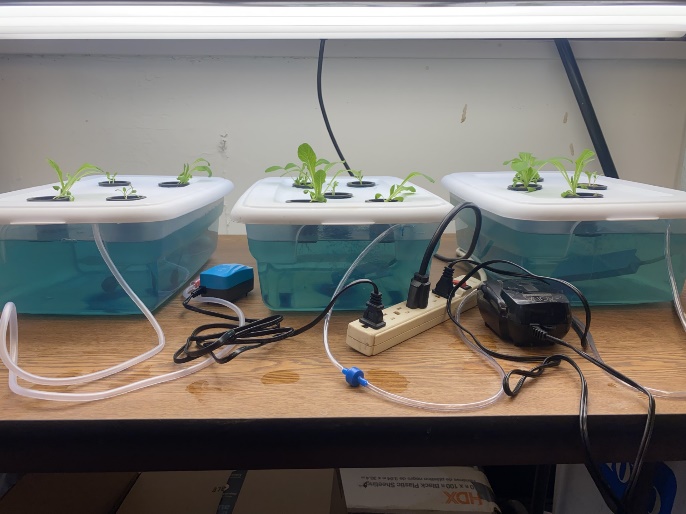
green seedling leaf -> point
(307, 155)
(68, 181)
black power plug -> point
(418, 295)
(445, 284)
(373, 315)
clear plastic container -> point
(303, 249)
(612, 248)
(49, 263)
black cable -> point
(648, 429)
(441, 228)
(320, 62)
(256, 334)
(615, 504)
(539, 493)
(608, 496)
(587, 112)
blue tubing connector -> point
(354, 377)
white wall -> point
(433, 106)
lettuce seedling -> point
(320, 187)
(398, 192)
(526, 168)
(580, 164)
(67, 181)
(310, 164)
(127, 191)
(196, 166)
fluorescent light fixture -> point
(339, 20)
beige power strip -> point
(402, 323)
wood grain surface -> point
(294, 380)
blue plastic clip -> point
(354, 377)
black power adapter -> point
(514, 308)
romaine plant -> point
(580, 164)
(526, 168)
(67, 181)
(398, 192)
(320, 187)
(111, 177)
(310, 164)
(196, 166)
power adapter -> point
(514, 308)
(227, 281)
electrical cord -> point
(418, 294)
(615, 504)
(320, 63)
(255, 334)
(431, 246)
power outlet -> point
(402, 323)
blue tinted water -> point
(68, 276)
(611, 262)
(303, 276)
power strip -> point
(402, 323)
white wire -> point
(8, 323)
(403, 399)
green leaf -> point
(377, 196)
(273, 168)
(416, 173)
(307, 155)
(57, 170)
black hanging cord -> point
(586, 108)
(431, 247)
(320, 62)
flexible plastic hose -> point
(8, 324)
(403, 399)
(676, 295)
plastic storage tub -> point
(49, 263)
(611, 248)
(303, 249)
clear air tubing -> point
(8, 324)
(402, 399)
(676, 294)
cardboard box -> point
(67, 493)
(302, 491)
(418, 490)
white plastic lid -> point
(266, 203)
(622, 200)
(90, 204)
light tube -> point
(340, 21)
